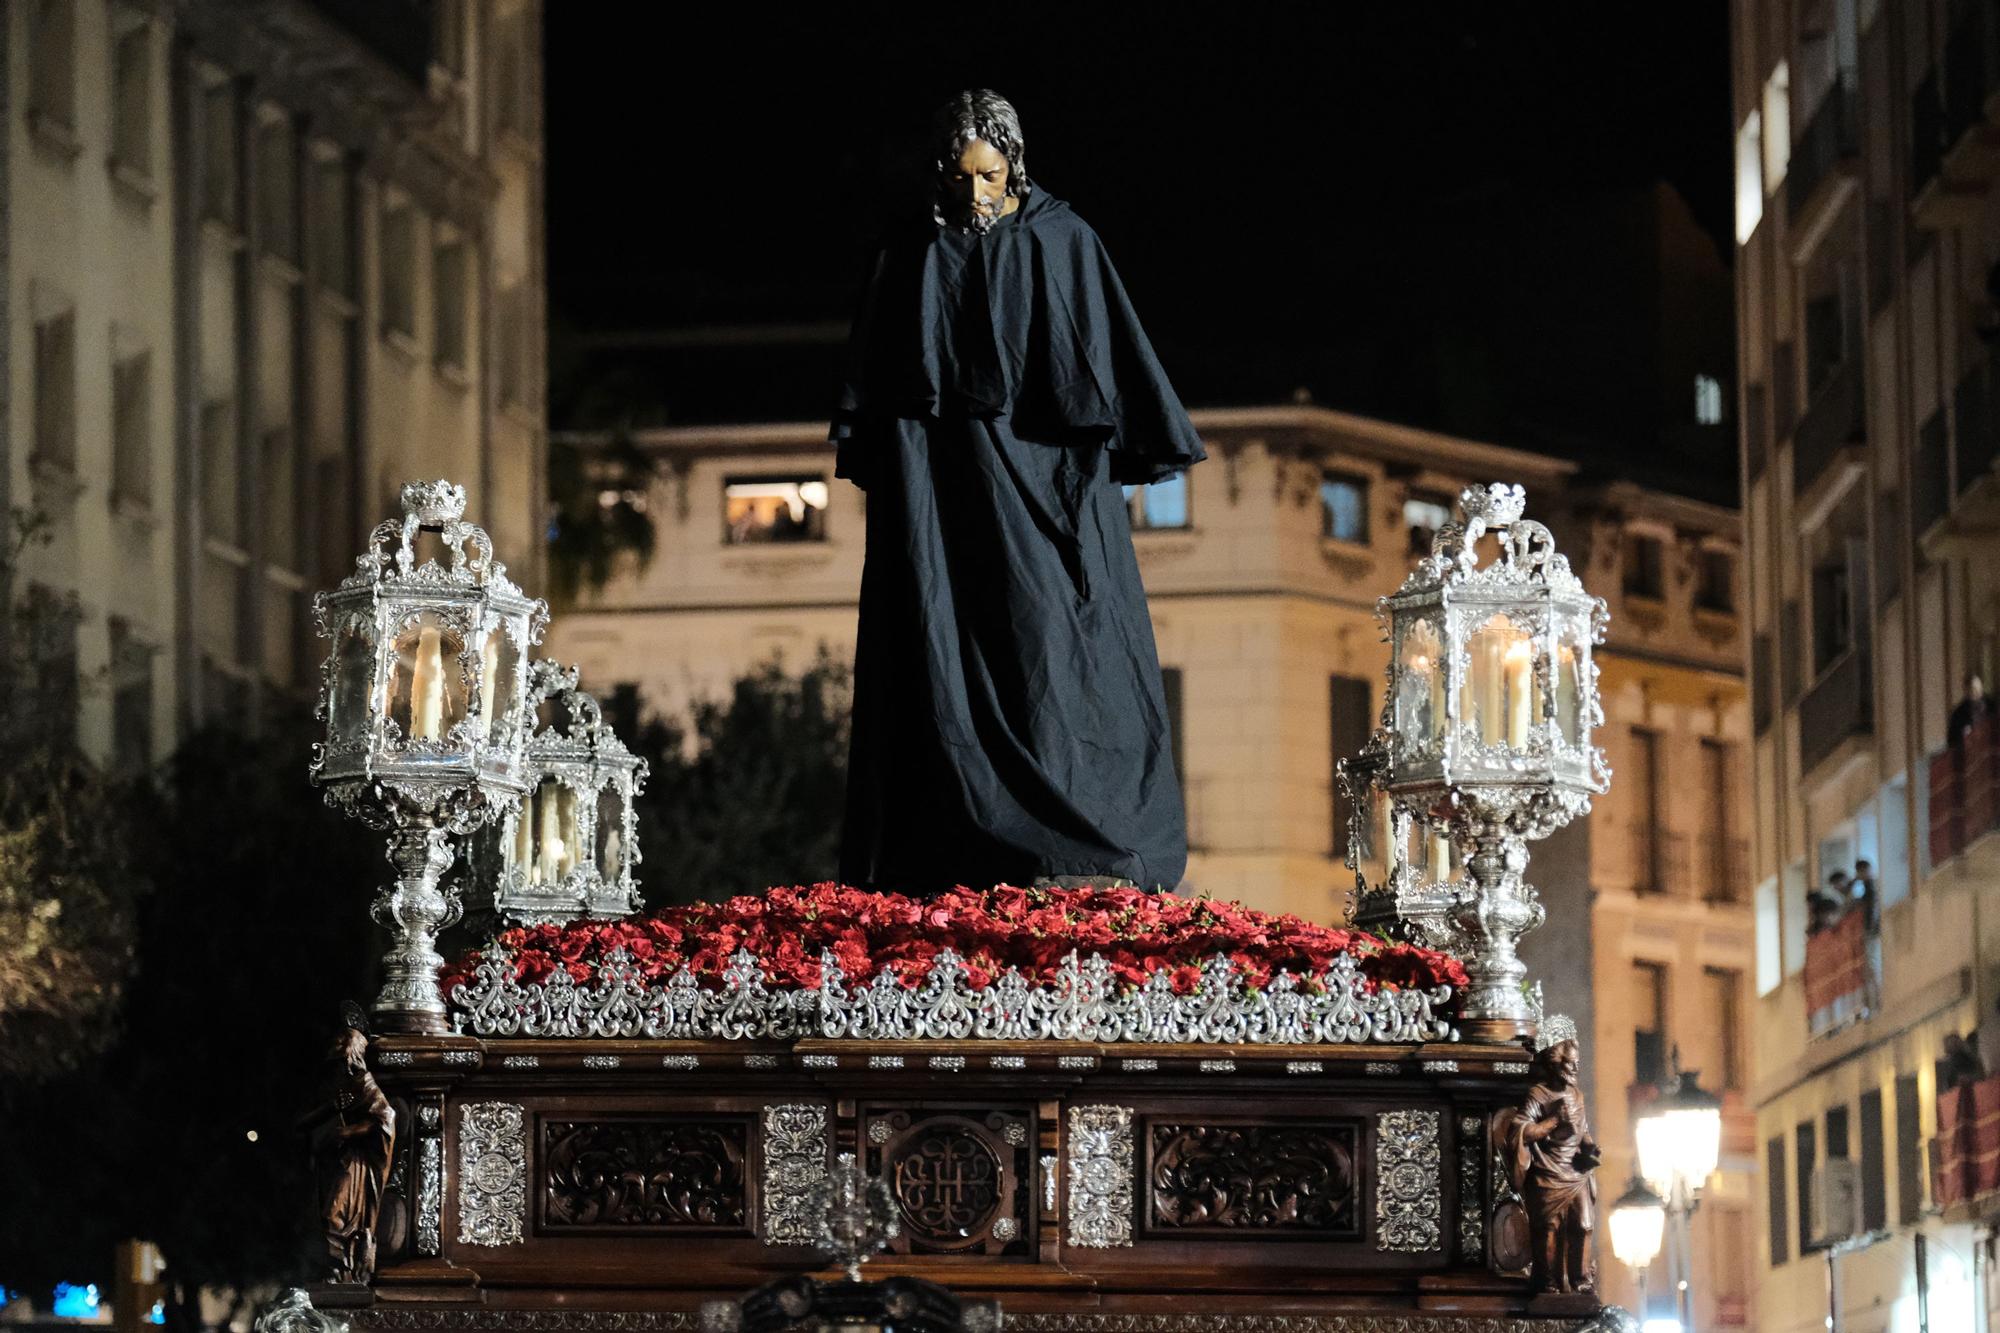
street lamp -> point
(1638, 1224)
(1679, 1140)
(1485, 742)
(421, 694)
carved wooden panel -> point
(1252, 1179)
(680, 1173)
(957, 1176)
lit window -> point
(1749, 179)
(1164, 504)
(1425, 513)
(1767, 937)
(1717, 591)
(1777, 126)
(774, 509)
(1707, 400)
(1343, 504)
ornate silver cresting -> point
(795, 1146)
(1083, 1003)
(1099, 1144)
(1409, 1167)
(1484, 746)
(567, 849)
(421, 695)
(492, 1173)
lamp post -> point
(568, 847)
(421, 694)
(1638, 1224)
(1484, 745)
(1679, 1141)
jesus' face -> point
(977, 184)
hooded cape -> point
(1009, 721)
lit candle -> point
(1520, 672)
(489, 687)
(1566, 692)
(427, 686)
(1440, 858)
(613, 847)
(567, 840)
(549, 851)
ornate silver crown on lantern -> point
(1484, 745)
(569, 846)
(421, 695)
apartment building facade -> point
(263, 262)
(1868, 228)
(1262, 567)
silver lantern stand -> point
(1485, 745)
(568, 848)
(421, 695)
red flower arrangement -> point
(1031, 929)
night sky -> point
(1440, 218)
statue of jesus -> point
(1009, 721)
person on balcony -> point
(1968, 711)
(1862, 888)
(1825, 907)
(1961, 1066)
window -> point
(1728, 856)
(1909, 1152)
(1769, 973)
(131, 700)
(514, 87)
(50, 619)
(277, 189)
(218, 157)
(331, 222)
(1777, 126)
(1836, 1133)
(1716, 589)
(1645, 565)
(1792, 896)
(1725, 1009)
(1649, 1009)
(1778, 1197)
(1808, 1155)
(1649, 849)
(1707, 400)
(448, 279)
(1164, 504)
(1349, 699)
(1171, 686)
(774, 509)
(1749, 179)
(1874, 1185)
(55, 392)
(1343, 503)
(514, 350)
(132, 100)
(1832, 612)
(1424, 512)
(219, 469)
(131, 441)
(399, 270)
(52, 63)
(277, 501)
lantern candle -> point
(566, 840)
(489, 688)
(427, 686)
(1519, 676)
(549, 852)
(613, 847)
(1440, 858)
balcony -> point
(1827, 447)
(1954, 148)
(1839, 705)
(1824, 171)
(1839, 974)
(1965, 792)
(1659, 860)
(1965, 1155)
(1726, 862)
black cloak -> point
(1009, 721)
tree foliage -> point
(600, 496)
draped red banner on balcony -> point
(1837, 966)
(1968, 1142)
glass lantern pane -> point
(517, 843)
(1499, 699)
(1420, 678)
(353, 676)
(554, 837)
(427, 685)
(610, 833)
(1572, 651)
(499, 687)
(1439, 859)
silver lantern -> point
(1485, 743)
(422, 699)
(568, 847)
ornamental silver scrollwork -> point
(795, 1148)
(430, 1195)
(492, 1173)
(1471, 1207)
(1083, 1002)
(1408, 1170)
(1100, 1176)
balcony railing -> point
(1839, 974)
(1839, 705)
(1659, 860)
(1834, 420)
(1965, 1156)
(1965, 791)
(1829, 141)
(1727, 861)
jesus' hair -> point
(981, 113)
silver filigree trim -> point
(600, 1062)
(1471, 1207)
(1016, 1133)
(1010, 1062)
(1440, 1066)
(430, 1195)
(1381, 1067)
(1218, 1066)
(885, 1062)
(682, 1062)
(1305, 1066)
(795, 1145)
(1512, 1067)
(520, 1062)
(949, 1063)
(1051, 1181)
(760, 1062)
(820, 1061)
(1100, 1176)
(1005, 1228)
(492, 1173)
(460, 1057)
(395, 1059)
(1408, 1164)
(1141, 1066)
(879, 1132)
(1076, 1062)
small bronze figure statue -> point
(1549, 1155)
(352, 1133)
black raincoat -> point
(1009, 721)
